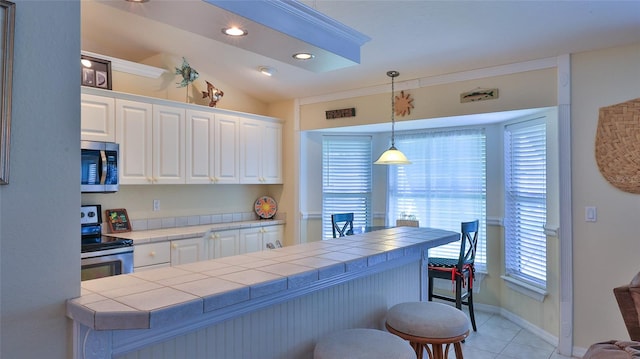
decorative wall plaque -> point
(345, 112)
(479, 95)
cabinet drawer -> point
(155, 266)
(151, 253)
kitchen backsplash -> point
(173, 222)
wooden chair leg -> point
(458, 349)
(459, 280)
(470, 305)
(417, 347)
(430, 296)
(437, 351)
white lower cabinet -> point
(151, 255)
(256, 239)
(214, 244)
(188, 250)
(224, 243)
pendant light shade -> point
(392, 156)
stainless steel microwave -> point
(99, 166)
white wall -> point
(39, 231)
(605, 253)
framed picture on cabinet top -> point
(95, 72)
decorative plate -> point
(266, 207)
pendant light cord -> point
(393, 75)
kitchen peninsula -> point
(269, 304)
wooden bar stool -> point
(423, 323)
(362, 344)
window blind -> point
(444, 186)
(525, 202)
(346, 179)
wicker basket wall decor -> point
(618, 145)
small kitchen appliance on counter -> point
(102, 256)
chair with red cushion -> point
(459, 270)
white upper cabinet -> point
(212, 148)
(165, 142)
(226, 154)
(97, 114)
(152, 143)
(134, 135)
(168, 145)
(260, 151)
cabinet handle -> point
(212, 236)
(149, 179)
(152, 253)
(174, 245)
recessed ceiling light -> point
(303, 56)
(234, 31)
(266, 70)
(138, 1)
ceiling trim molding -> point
(128, 66)
(540, 64)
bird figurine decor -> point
(213, 93)
(188, 75)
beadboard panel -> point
(291, 329)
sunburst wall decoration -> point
(404, 104)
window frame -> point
(531, 270)
(343, 199)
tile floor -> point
(500, 338)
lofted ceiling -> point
(417, 38)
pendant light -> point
(392, 156)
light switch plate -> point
(590, 214)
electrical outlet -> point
(156, 205)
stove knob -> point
(91, 214)
(81, 214)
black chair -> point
(342, 224)
(460, 270)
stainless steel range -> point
(102, 256)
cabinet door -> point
(250, 147)
(251, 240)
(226, 243)
(168, 145)
(200, 147)
(272, 153)
(190, 250)
(134, 134)
(97, 118)
(272, 233)
(226, 157)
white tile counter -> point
(162, 301)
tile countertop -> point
(168, 234)
(158, 297)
